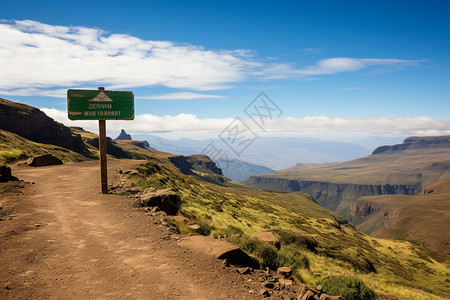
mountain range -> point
(272, 152)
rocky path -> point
(63, 239)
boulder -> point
(178, 219)
(309, 295)
(220, 250)
(245, 270)
(5, 174)
(44, 160)
(265, 293)
(284, 272)
(196, 228)
(167, 200)
(270, 238)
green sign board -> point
(100, 105)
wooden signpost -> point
(100, 105)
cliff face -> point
(334, 196)
(432, 142)
(398, 169)
(33, 124)
(201, 163)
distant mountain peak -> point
(417, 142)
(124, 136)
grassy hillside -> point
(423, 219)
(16, 149)
(316, 242)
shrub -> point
(303, 241)
(294, 259)
(266, 254)
(269, 256)
(350, 288)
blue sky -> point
(333, 67)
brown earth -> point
(61, 238)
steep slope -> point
(31, 123)
(423, 218)
(315, 241)
(16, 149)
(399, 169)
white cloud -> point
(189, 125)
(180, 96)
(34, 56)
(43, 60)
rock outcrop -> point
(124, 136)
(220, 250)
(5, 174)
(270, 238)
(334, 196)
(33, 124)
(415, 142)
(201, 163)
(43, 160)
(167, 200)
(315, 293)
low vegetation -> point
(349, 288)
(15, 149)
(315, 242)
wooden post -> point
(102, 148)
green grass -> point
(316, 242)
(15, 149)
(350, 288)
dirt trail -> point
(64, 239)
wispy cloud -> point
(39, 59)
(180, 96)
(312, 50)
(191, 124)
(336, 65)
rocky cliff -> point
(432, 142)
(334, 196)
(200, 163)
(33, 124)
(398, 169)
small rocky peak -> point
(124, 136)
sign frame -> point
(100, 105)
